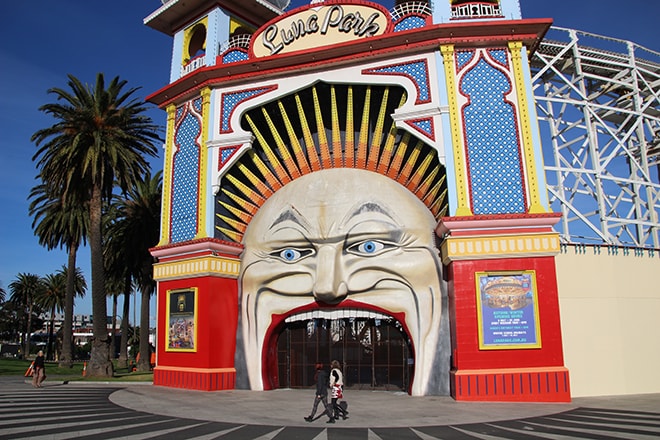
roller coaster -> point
(598, 105)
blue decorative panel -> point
(424, 126)
(417, 71)
(231, 100)
(463, 57)
(410, 22)
(493, 147)
(500, 56)
(232, 56)
(185, 174)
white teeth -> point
(336, 314)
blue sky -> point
(41, 42)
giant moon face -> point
(345, 239)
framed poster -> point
(507, 310)
(181, 320)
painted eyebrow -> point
(289, 215)
(370, 207)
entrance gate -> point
(375, 353)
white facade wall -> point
(610, 305)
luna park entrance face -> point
(375, 353)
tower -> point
(346, 181)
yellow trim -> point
(463, 208)
(535, 303)
(203, 164)
(169, 294)
(499, 246)
(187, 35)
(196, 267)
(235, 24)
(535, 205)
(195, 370)
(511, 371)
(165, 219)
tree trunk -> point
(145, 353)
(123, 350)
(66, 357)
(114, 326)
(51, 331)
(29, 327)
(100, 364)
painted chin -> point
(274, 311)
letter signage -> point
(314, 27)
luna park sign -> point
(320, 26)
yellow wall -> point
(610, 318)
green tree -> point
(135, 231)
(101, 138)
(53, 296)
(23, 290)
(2, 294)
(59, 224)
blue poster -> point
(507, 310)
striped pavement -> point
(67, 411)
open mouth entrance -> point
(375, 352)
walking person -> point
(39, 374)
(321, 378)
(337, 389)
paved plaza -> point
(143, 411)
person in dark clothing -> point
(321, 378)
(39, 374)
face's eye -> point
(291, 255)
(368, 247)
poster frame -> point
(190, 313)
(482, 308)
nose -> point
(329, 284)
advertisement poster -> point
(507, 306)
(181, 320)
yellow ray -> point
(415, 179)
(265, 171)
(234, 236)
(374, 151)
(307, 135)
(235, 224)
(252, 195)
(364, 131)
(395, 165)
(349, 147)
(280, 173)
(404, 175)
(337, 159)
(258, 184)
(295, 144)
(243, 216)
(388, 149)
(246, 205)
(289, 163)
(320, 132)
(423, 188)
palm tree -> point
(101, 137)
(114, 250)
(2, 294)
(53, 296)
(23, 290)
(135, 231)
(61, 225)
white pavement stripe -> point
(85, 432)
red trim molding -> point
(212, 379)
(545, 384)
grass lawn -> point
(17, 367)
